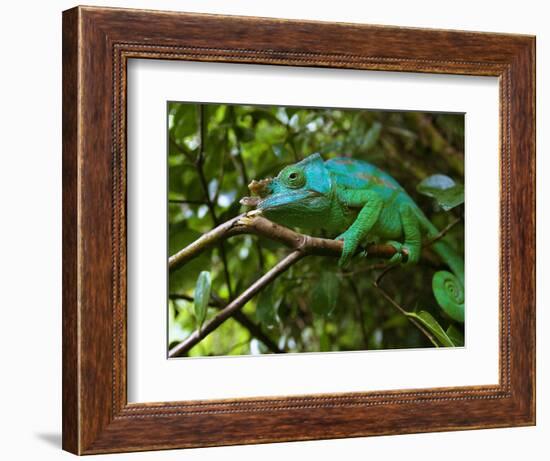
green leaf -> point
(185, 121)
(372, 135)
(427, 321)
(267, 307)
(263, 114)
(325, 293)
(324, 342)
(455, 335)
(447, 193)
(202, 296)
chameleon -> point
(357, 202)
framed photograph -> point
(284, 230)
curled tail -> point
(448, 288)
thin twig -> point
(452, 156)
(183, 297)
(201, 126)
(236, 304)
(386, 295)
(245, 179)
(220, 179)
(443, 232)
(199, 162)
(362, 270)
(254, 329)
(359, 311)
(181, 150)
(187, 202)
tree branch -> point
(301, 244)
(443, 232)
(236, 304)
(187, 202)
(181, 150)
(252, 223)
(254, 329)
(386, 295)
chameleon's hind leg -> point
(412, 244)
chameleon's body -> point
(357, 201)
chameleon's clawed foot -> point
(405, 254)
(350, 246)
(398, 256)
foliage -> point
(214, 152)
(202, 296)
(447, 193)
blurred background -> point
(215, 150)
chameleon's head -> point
(298, 193)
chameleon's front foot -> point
(403, 253)
(398, 257)
(350, 246)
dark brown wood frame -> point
(97, 43)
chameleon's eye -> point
(293, 178)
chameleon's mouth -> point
(279, 200)
(250, 201)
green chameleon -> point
(357, 201)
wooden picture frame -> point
(97, 43)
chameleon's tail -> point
(448, 287)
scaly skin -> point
(359, 201)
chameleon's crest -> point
(317, 175)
